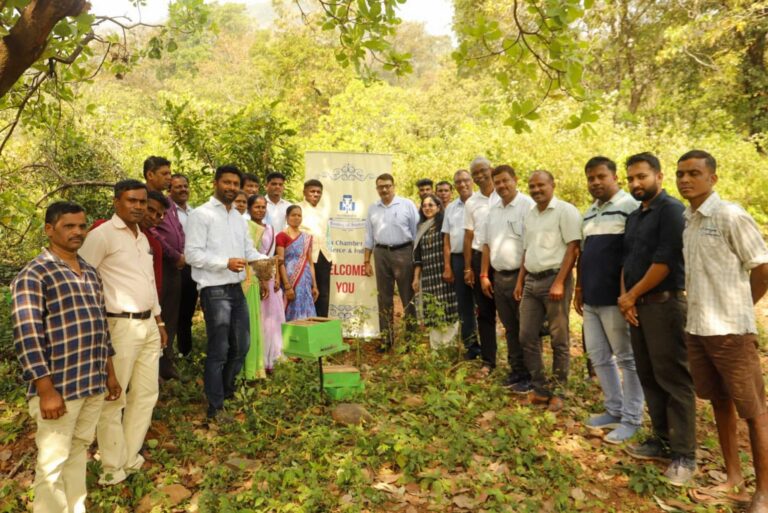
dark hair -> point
(444, 182)
(179, 175)
(250, 177)
(385, 177)
(648, 158)
(291, 209)
(503, 168)
(128, 185)
(253, 199)
(275, 175)
(440, 214)
(152, 163)
(544, 172)
(158, 196)
(599, 160)
(313, 183)
(242, 193)
(422, 182)
(228, 168)
(709, 160)
(57, 209)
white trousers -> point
(124, 423)
(62, 446)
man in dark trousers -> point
(170, 234)
(653, 303)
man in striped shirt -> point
(61, 340)
(726, 273)
(598, 285)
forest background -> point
(533, 83)
(214, 85)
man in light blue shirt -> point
(218, 247)
(453, 262)
(390, 228)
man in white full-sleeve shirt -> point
(218, 247)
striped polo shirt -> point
(602, 249)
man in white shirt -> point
(276, 205)
(726, 273)
(218, 247)
(315, 222)
(552, 234)
(453, 262)
(503, 252)
(121, 254)
(475, 217)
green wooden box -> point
(312, 337)
(340, 393)
(342, 381)
(335, 376)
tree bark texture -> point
(27, 39)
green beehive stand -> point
(342, 381)
(317, 337)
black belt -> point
(504, 272)
(131, 315)
(660, 297)
(544, 274)
(394, 247)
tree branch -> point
(36, 83)
(77, 51)
(69, 185)
(26, 41)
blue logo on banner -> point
(346, 204)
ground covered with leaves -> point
(440, 439)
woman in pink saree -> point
(272, 309)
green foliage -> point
(646, 480)
(532, 48)
(252, 138)
(364, 29)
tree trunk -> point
(27, 39)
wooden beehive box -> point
(312, 337)
(342, 381)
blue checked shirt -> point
(60, 326)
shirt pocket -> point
(514, 230)
(548, 240)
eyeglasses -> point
(384, 187)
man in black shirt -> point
(653, 302)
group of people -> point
(666, 293)
(95, 314)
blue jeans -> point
(606, 335)
(227, 328)
(466, 306)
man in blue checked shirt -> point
(62, 342)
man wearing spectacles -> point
(390, 228)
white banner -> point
(349, 187)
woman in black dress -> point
(438, 297)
